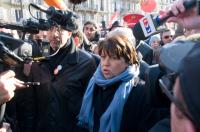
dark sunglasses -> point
(166, 83)
(168, 36)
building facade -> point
(96, 10)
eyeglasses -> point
(166, 83)
(168, 36)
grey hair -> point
(123, 31)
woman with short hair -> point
(115, 100)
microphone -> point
(66, 19)
(148, 25)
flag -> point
(114, 18)
(148, 5)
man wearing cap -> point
(185, 106)
(63, 77)
(115, 25)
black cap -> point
(189, 74)
(173, 53)
(115, 24)
(183, 57)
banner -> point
(148, 5)
(114, 18)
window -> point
(18, 14)
(39, 14)
(2, 14)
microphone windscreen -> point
(138, 32)
(77, 1)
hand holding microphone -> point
(187, 18)
(148, 25)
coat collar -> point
(72, 57)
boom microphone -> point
(148, 25)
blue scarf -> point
(111, 119)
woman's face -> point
(111, 66)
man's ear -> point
(189, 126)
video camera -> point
(14, 52)
(164, 74)
(9, 57)
(171, 56)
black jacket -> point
(161, 126)
(138, 113)
(59, 97)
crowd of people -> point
(114, 83)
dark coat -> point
(138, 114)
(59, 97)
(161, 126)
